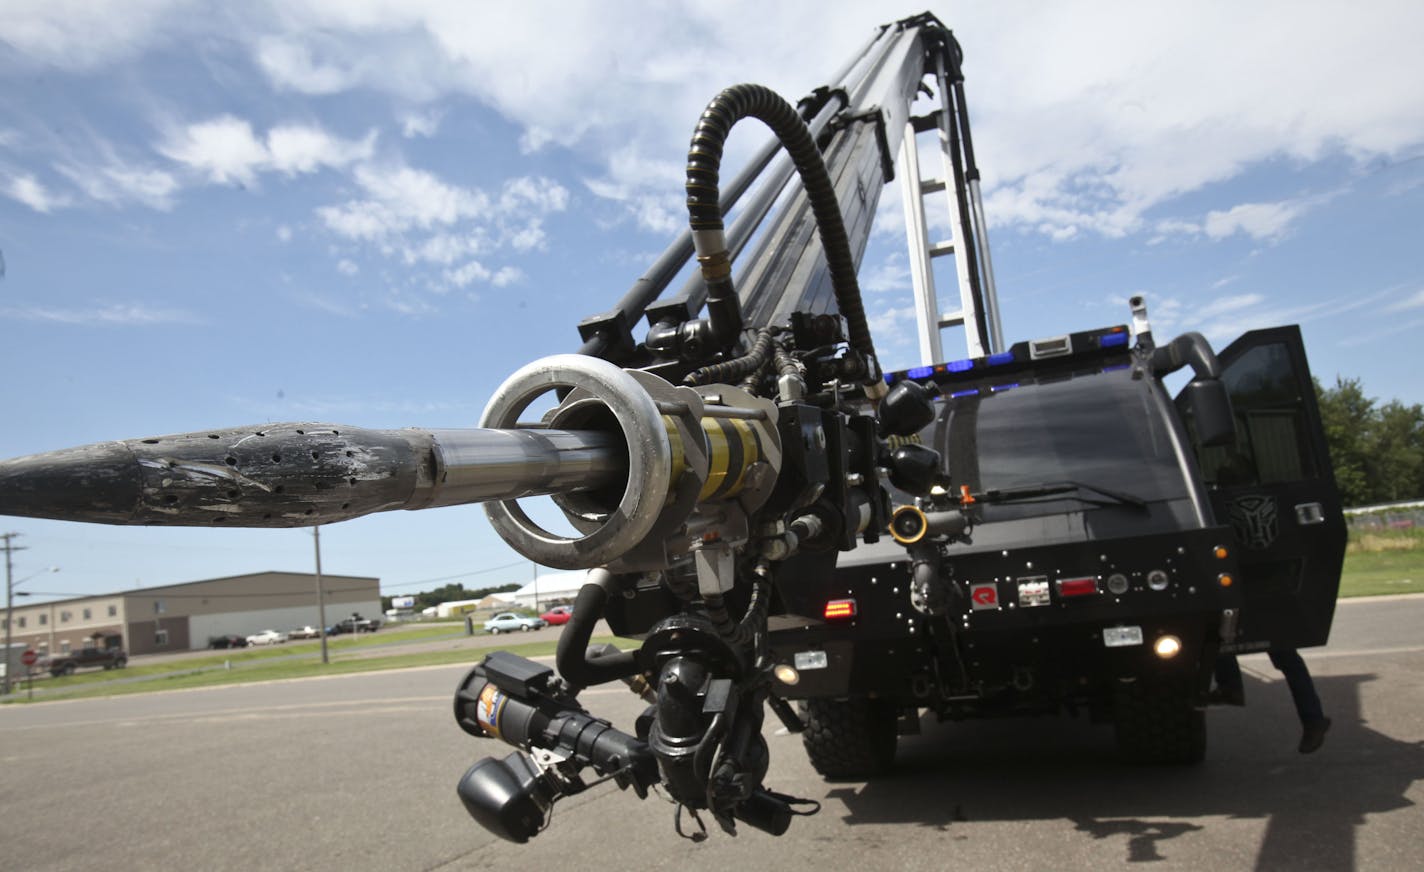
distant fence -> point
(1388, 516)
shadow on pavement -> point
(1065, 769)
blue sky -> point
(370, 212)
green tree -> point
(1345, 412)
(1377, 450)
(1396, 452)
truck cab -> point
(1091, 545)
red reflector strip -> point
(1077, 586)
(842, 608)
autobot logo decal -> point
(984, 596)
(1255, 520)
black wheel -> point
(68, 669)
(494, 631)
(1158, 723)
(523, 628)
(120, 663)
(852, 738)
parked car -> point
(558, 615)
(354, 624)
(267, 637)
(228, 641)
(66, 664)
(307, 632)
(508, 622)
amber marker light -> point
(1225, 579)
(1221, 552)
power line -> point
(452, 577)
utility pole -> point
(320, 597)
(10, 547)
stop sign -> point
(29, 657)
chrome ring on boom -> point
(649, 460)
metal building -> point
(180, 617)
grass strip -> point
(186, 677)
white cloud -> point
(1412, 301)
(347, 267)
(288, 62)
(31, 191)
(1227, 305)
(421, 124)
(227, 151)
(1265, 221)
(284, 233)
(891, 274)
(299, 148)
(893, 328)
(467, 274)
(112, 315)
(117, 184)
(224, 149)
(506, 276)
(1089, 116)
(81, 35)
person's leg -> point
(1307, 701)
(1230, 689)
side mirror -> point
(1210, 407)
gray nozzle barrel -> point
(295, 475)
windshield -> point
(1102, 429)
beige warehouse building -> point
(181, 617)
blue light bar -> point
(973, 392)
(889, 378)
(1112, 340)
(919, 372)
(959, 365)
(1001, 358)
(997, 388)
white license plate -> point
(805, 660)
(1121, 637)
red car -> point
(558, 615)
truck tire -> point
(68, 669)
(853, 738)
(1157, 723)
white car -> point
(266, 637)
(307, 632)
(508, 622)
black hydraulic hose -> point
(731, 370)
(571, 658)
(759, 206)
(1189, 348)
(703, 165)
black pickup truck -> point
(354, 624)
(109, 658)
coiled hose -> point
(737, 367)
(704, 159)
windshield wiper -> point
(1028, 493)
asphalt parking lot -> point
(359, 771)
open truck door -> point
(1274, 485)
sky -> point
(370, 213)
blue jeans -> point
(1292, 666)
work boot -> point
(1313, 736)
(1221, 696)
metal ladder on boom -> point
(978, 311)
